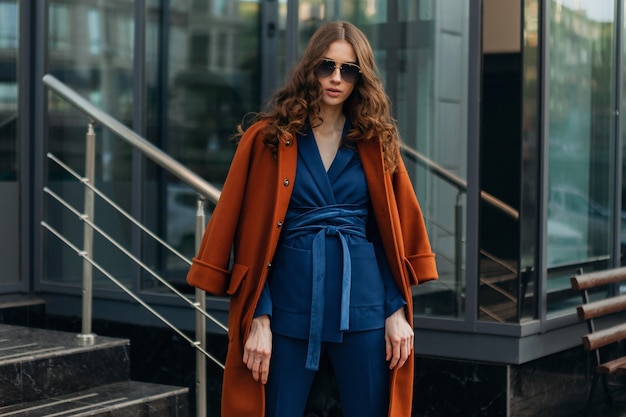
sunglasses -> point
(350, 73)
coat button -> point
(279, 224)
(288, 142)
(269, 265)
(286, 182)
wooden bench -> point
(599, 341)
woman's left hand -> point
(398, 339)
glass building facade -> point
(513, 108)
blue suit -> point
(330, 279)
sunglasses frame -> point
(342, 70)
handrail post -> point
(201, 383)
(86, 336)
(458, 249)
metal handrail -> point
(124, 288)
(146, 148)
(456, 181)
(134, 258)
(120, 210)
(186, 176)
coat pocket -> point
(237, 276)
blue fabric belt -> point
(334, 220)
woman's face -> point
(335, 88)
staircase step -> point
(121, 399)
(38, 363)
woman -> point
(327, 238)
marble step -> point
(121, 399)
(38, 363)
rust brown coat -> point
(248, 219)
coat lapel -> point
(309, 154)
(343, 157)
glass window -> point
(205, 103)
(124, 30)
(423, 63)
(409, 10)
(91, 50)
(200, 6)
(365, 11)
(623, 168)
(431, 93)
(59, 26)
(529, 207)
(580, 141)
(95, 31)
(9, 142)
(8, 25)
(8, 90)
(499, 289)
(509, 152)
(199, 45)
(201, 83)
(222, 57)
(221, 8)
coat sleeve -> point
(209, 270)
(419, 257)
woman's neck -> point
(328, 135)
(332, 120)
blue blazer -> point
(329, 273)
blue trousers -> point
(359, 366)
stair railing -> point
(186, 176)
(461, 188)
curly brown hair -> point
(294, 106)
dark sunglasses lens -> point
(349, 73)
(325, 69)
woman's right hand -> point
(258, 348)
